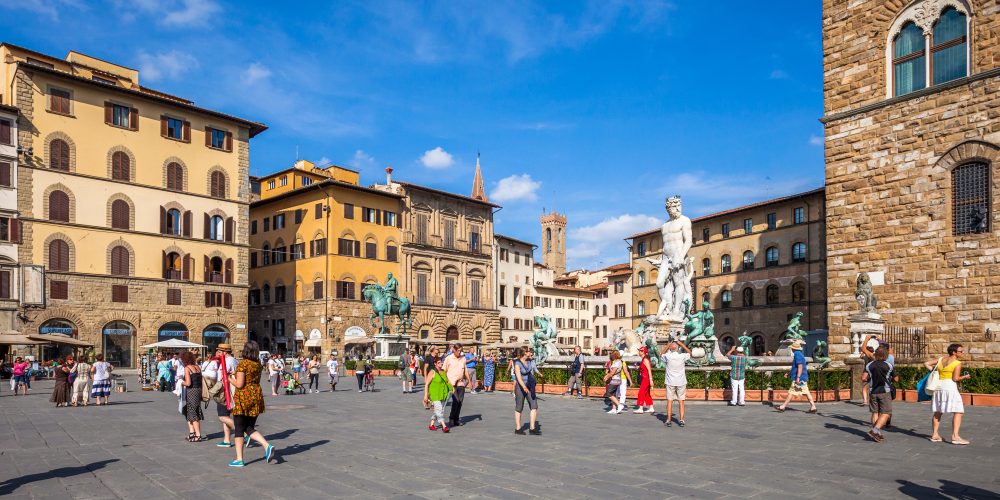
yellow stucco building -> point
(317, 237)
(134, 204)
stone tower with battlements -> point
(554, 242)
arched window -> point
(175, 176)
(705, 298)
(949, 46)
(58, 255)
(120, 214)
(748, 297)
(641, 308)
(771, 256)
(58, 206)
(642, 278)
(771, 295)
(121, 166)
(799, 292)
(604, 310)
(120, 261)
(451, 333)
(727, 264)
(217, 228)
(747, 260)
(909, 60)
(265, 254)
(174, 221)
(172, 266)
(799, 252)
(706, 267)
(758, 348)
(970, 199)
(215, 270)
(267, 293)
(59, 155)
(727, 298)
(548, 239)
(218, 184)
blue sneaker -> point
(269, 453)
(237, 463)
(223, 444)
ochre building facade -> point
(133, 205)
(913, 167)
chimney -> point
(388, 176)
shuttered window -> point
(59, 290)
(175, 176)
(120, 214)
(4, 284)
(59, 101)
(318, 290)
(348, 211)
(119, 261)
(345, 290)
(58, 155)
(349, 248)
(317, 247)
(121, 166)
(5, 174)
(390, 253)
(449, 234)
(6, 136)
(174, 296)
(422, 228)
(59, 206)
(58, 255)
(421, 288)
(218, 188)
(371, 250)
(449, 290)
(474, 293)
(218, 139)
(119, 293)
(319, 210)
(121, 116)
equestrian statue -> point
(385, 301)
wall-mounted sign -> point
(354, 331)
(315, 334)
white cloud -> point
(516, 188)
(543, 126)
(323, 162)
(255, 73)
(815, 140)
(603, 244)
(362, 160)
(778, 74)
(156, 67)
(437, 159)
(192, 13)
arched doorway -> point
(172, 330)
(758, 347)
(726, 343)
(213, 336)
(451, 334)
(58, 327)
(119, 344)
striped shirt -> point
(737, 366)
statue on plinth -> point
(699, 331)
(385, 301)
(820, 355)
(543, 341)
(673, 283)
(648, 337)
(745, 342)
(794, 331)
(865, 295)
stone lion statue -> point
(864, 294)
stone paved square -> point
(376, 445)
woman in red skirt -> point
(645, 396)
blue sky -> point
(595, 109)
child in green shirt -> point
(437, 390)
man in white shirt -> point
(212, 372)
(331, 368)
(274, 368)
(175, 362)
(675, 378)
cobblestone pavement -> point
(377, 445)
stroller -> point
(290, 384)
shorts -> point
(520, 397)
(880, 403)
(221, 410)
(244, 425)
(612, 390)
(676, 392)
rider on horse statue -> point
(385, 301)
(390, 291)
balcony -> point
(215, 277)
(173, 274)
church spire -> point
(478, 190)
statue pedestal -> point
(861, 326)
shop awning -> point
(314, 343)
(358, 340)
(505, 345)
(56, 338)
(18, 339)
(173, 344)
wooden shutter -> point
(59, 155)
(312, 248)
(163, 220)
(133, 118)
(227, 300)
(208, 226)
(187, 223)
(164, 130)
(213, 189)
(421, 288)
(59, 206)
(208, 299)
(187, 131)
(298, 216)
(357, 249)
(230, 229)
(108, 112)
(229, 271)
(186, 265)
(119, 214)
(58, 290)
(378, 216)
(319, 210)
(229, 141)
(318, 290)
(166, 265)
(58, 255)
(208, 269)
(4, 284)
(5, 128)
(5, 174)
(208, 136)
(16, 230)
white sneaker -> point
(638, 410)
(613, 411)
(620, 409)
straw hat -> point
(225, 347)
(797, 345)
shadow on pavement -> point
(851, 430)
(281, 434)
(295, 449)
(867, 424)
(948, 489)
(9, 486)
(469, 418)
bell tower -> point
(554, 242)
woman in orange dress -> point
(248, 403)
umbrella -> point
(18, 339)
(59, 339)
(173, 344)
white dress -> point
(947, 399)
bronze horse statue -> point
(382, 306)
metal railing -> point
(909, 342)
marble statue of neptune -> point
(674, 279)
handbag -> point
(205, 389)
(934, 380)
